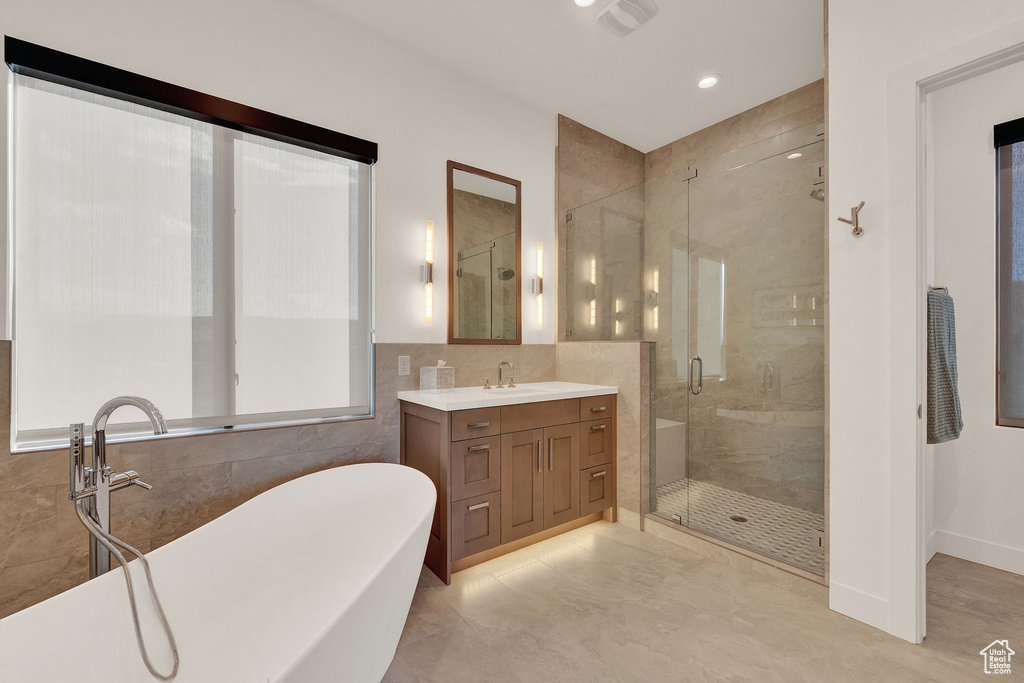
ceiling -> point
(641, 89)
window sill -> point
(45, 446)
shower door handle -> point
(700, 375)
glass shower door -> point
(755, 408)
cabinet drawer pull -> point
(599, 410)
(481, 447)
(478, 425)
(597, 428)
(481, 505)
(551, 454)
(540, 463)
(595, 475)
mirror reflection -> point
(484, 253)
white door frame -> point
(908, 201)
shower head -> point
(506, 273)
(818, 194)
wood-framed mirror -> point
(484, 257)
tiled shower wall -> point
(44, 549)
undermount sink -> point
(464, 398)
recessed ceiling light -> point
(709, 81)
(794, 155)
(584, 3)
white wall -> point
(868, 41)
(976, 497)
(296, 61)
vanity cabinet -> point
(508, 476)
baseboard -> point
(929, 547)
(870, 609)
(983, 552)
(629, 518)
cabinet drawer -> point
(476, 525)
(469, 424)
(525, 416)
(594, 407)
(597, 489)
(476, 467)
(597, 442)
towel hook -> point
(854, 219)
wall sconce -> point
(538, 285)
(655, 286)
(427, 275)
(593, 291)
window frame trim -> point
(47, 64)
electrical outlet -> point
(403, 366)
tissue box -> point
(437, 378)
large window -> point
(1009, 138)
(221, 274)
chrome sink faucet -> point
(95, 483)
(511, 368)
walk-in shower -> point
(723, 266)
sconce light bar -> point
(427, 274)
(538, 285)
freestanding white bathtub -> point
(310, 581)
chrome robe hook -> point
(854, 219)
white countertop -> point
(465, 398)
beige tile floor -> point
(606, 603)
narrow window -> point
(1009, 140)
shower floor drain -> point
(738, 518)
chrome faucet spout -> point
(99, 423)
(511, 368)
(103, 479)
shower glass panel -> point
(604, 240)
(725, 273)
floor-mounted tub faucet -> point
(90, 492)
(97, 481)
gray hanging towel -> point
(944, 419)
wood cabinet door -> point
(475, 525)
(597, 489)
(476, 467)
(522, 485)
(598, 442)
(561, 474)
